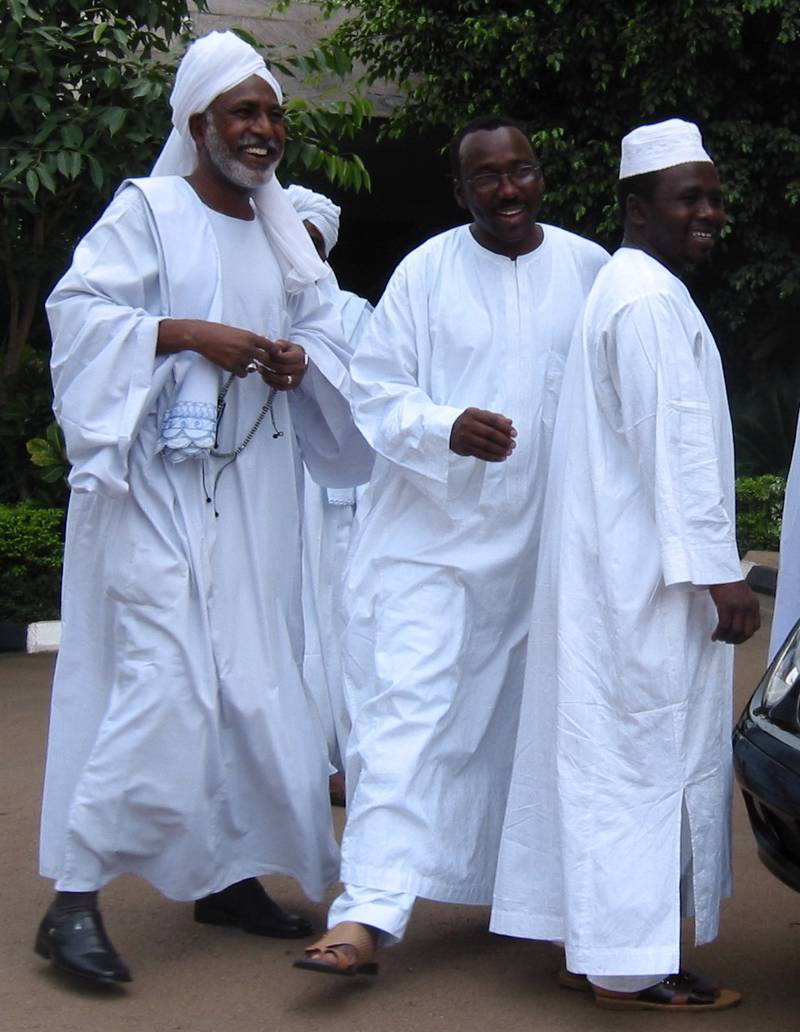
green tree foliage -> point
(759, 512)
(319, 132)
(83, 104)
(583, 74)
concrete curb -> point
(43, 636)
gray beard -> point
(229, 166)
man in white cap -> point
(195, 369)
(328, 517)
(455, 384)
(618, 815)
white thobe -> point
(625, 722)
(328, 515)
(787, 596)
(441, 570)
(183, 746)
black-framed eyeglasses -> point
(522, 175)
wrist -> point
(176, 335)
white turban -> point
(212, 65)
(651, 148)
(319, 210)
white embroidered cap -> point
(650, 148)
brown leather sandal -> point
(673, 993)
(349, 933)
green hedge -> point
(31, 552)
(31, 546)
(759, 506)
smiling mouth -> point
(511, 212)
(258, 151)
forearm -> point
(176, 335)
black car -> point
(766, 752)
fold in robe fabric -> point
(328, 515)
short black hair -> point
(475, 125)
(643, 185)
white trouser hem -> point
(389, 912)
(625, 983)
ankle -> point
(70, 902)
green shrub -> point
(31, 553)
(759, 507)
(32, 547)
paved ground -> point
(450, 974)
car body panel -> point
(766, 753)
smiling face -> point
(241, 137)
(680, 223)
(501, 186)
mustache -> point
(269, 145)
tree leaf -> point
(32, 182)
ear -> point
(636, 210)
(458, 193)
(197, 128)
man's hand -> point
(285, 367)
(483, 435)
(738, 612)
(226, 346)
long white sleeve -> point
(105, 371)
(668, 421)
(398, 418)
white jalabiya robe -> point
(625, 722)
(787, 596)
(441, 570)
(327, 524)
(183, 746)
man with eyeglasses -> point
(455, 386)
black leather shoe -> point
(77, 943)
(246, 905)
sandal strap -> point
(674, 990)
(347, 933)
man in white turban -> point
(320, 217)
(196, 369)
(328, 514)
(618, 817)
